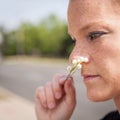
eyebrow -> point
(94, 24)
(100, 24)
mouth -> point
(88, 78)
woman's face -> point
(95, 27)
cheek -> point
(105, 58)
(108, 67)
(107, 55)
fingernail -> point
(70, 81)
(51, 105)
(63, 78)
(58, 95)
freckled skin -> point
(103, 52)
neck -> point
(117, 103)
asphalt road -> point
(23, 78)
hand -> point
(56, 100)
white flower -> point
(79, 66)
(76, 64)
(86, 59)
(69, 68)
(74, 61)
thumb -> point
(70, 92)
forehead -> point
(82, 12)
(87, 3)
(90, 8)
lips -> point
(90, 77)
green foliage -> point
(30, 38)
(9, 44)
(52, 33)
(49, 38)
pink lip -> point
(90, 77)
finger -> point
(70, 92)
(62, 79)
(50, 96)
(41, 95)
(57, 88)
(40, 110)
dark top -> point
(114, 115)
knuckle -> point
(56, 77)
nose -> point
(79, 52)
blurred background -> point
(34, 28)
(34, 45)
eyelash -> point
(92, 36)
(73, 41)
(96, 34)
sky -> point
(14, 12)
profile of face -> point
(95, 27)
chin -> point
(96, 97)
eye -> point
(96, 34)
(73, 41)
